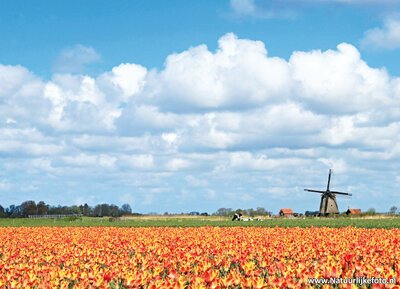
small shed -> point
(286, 212)
(353, 212)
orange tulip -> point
(194, 257)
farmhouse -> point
(286, 212)
(353, 212)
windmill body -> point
(328, 199)
(328, 205)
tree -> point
(28, 208)
(97, 211)
(65, 210)
(113, 211)
(76, 210)
(10, 210)
(224, 212)
(106, 210)
(53, 210)
(221, 212)
(371, 211)
(262, 212)
(240, 211)
(126, 209)
(85, 209)
(2, 212)
(42, 208)
(16, 212)
(393, 210)
(251, 212)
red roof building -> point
(285, 212)
(353, 212)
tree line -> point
(248, 212)
(101, 210)
(41, 208)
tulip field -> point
(202, 257)
(199, 221)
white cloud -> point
(196, 182)
(137, 119)
(387, 37)
(82, 159)
(212, 121)
(246, 161)
(21, 96)
(238, 74)
(95, 142)
(78, 104)
(340, 166)
(169, 138)
(14, 80)
(176, 164)
(28, 142)
(243, 6)
(339, 81)
(137, 161)
(75, 59)
(241, 75)
(42, 164)
(10, 121)
(127, 79)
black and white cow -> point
(236, 217)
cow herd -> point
(238, 217)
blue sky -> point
(195, 105)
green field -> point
(179, 221)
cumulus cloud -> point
(125, 80)
(241, 75)
(339, 81)
(21, 96)
(387, 37)
(209, 122)
(15, 80)
(238, 74)
(79, 104)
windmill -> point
(328, 199)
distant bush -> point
(370, 212)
